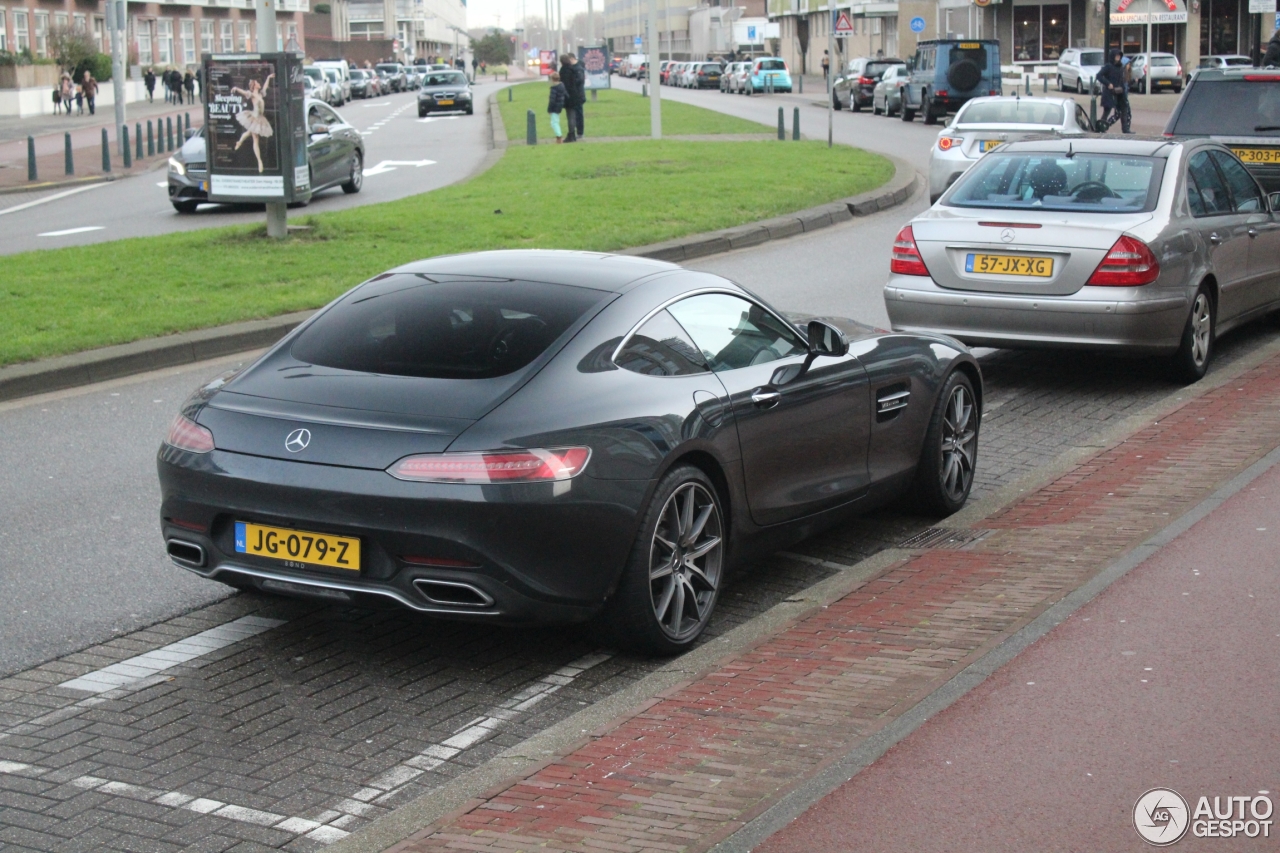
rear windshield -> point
(1011, 111)
(1164, 61)
(411, 325)
(1236, 61)
(1092, 183)
(772, 65)
(976, 54)
(875, 69)
(448, 78)
(388, 67)
(710, 67)
(1230, 108)
(357, 75)
(1092, 57)
(313, 73)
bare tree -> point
(71, 47)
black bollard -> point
(124, 147)
(531, 129)
(795, 124)
(1046, 84)
(593, 94)
(800, 81)
(31, 158)
(782, 128)
(644, 90)
(168, 127)
(187, 124)
(508, 94)
(151, 142)
(137, 135)
(70, 160)
(106, 152)
(1093, 108)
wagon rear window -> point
(411, 325)
(1087, 183)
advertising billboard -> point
(255, 128)
(595, 62)
(546, 62)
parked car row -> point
(691, 75)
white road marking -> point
(151, 663)
(72, 231)
(163, 184)
(388, 784)
(379, 104)
(390, 166)
(49, 198)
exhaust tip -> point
(453, 593)
(185, 553)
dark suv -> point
(1239, 107)
(946, 73)
(856, 84)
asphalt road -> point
(447, 148)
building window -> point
(4, 31)
(1040, 33)
(42, 34)
(367, 30)
(228, 38)
(80, 23)
(188, 42)
(244, 36)
(206, 36)
(60, 20)
(164, 41)
(100, 33)
(21, 35)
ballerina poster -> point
(246, 135)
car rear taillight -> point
(994, 92)
(906, 257)
(946, 143)
(866, 81)
(941, 93)
(508, 466)
(186, 434)
(1262, 78)
(1129, 264)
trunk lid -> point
(975, 134)
(1053, 252)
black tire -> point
(926, 110)
(641, 615)
(1061, 87)
(888, 110)
(1191, 362)
(835, 101)
(907, 114)
(1079, 86)
(950, 453)
(422, 113)
(355, 180)
(854, 106)
(1177, 90)
(875, 111)
(471, 110)
(186, 206)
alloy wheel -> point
(1201, 329)
(685, 560)
(959, 443)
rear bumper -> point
(1117, 319)
(531, 555)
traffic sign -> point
(917, 25)
(844, 24)
(639, 41)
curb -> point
(53, 185)
(69, 371)
(97, 365)
(900, 187)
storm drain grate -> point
(943, 537)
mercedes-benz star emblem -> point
(297, 440)
(1007, 235)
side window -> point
(661, 348)
(314, 119)
(732, 332)
(1194, 201)
(1082, 119)
(328, 116)
(1214, 197)
(1244, 190)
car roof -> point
(1236, 73)
(1137, 146)
(579, 269)
(958, 41)
(1033, 99)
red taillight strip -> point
(511, 466)
(905, 259)
(186, 434)
(1262, 78)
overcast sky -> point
(509, 13)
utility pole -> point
(277, 211)
(560, 26)
(655, 93)
(831, 74)
(591, 22)
(116, 21)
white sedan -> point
(984, 123)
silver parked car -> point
(886, 98)
(1078, 66)
(1152, 246)
(1156, 72)
(984, 123)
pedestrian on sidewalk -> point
(1115, 94)
(149, 80)
(90, 87)
(475, 63)
(575, 86)
(189, 83)
(555, 104)
(57, 99)
(79, 99)
(68, 90)
(826, 65)
(176, 76)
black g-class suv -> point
(946, 73)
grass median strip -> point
(591, 197)
(617, 113)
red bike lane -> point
(1167, 679)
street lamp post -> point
(277, 211)
(116, 16)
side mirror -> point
(826, 339)
(1274, 201)
(190, 132)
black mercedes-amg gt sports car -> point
(533, 436)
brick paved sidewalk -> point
(697, 763)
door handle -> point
(1215, 239)
(1253, 232)
(765, 399)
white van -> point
(344, 76)
(631, 67)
